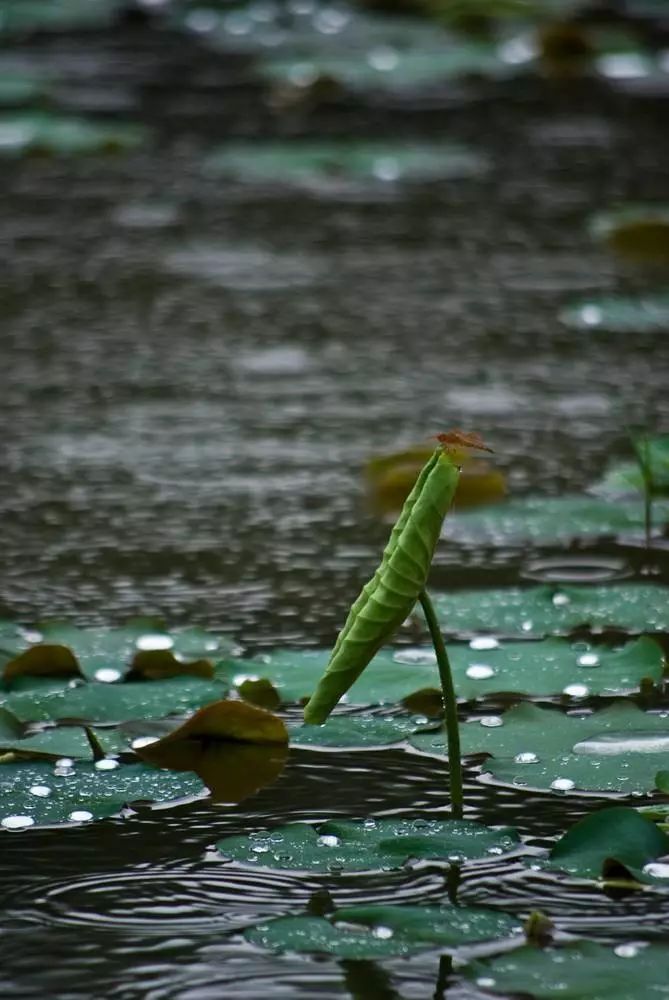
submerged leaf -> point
(366, 846)
(392, 592)
(603, 843)
(359, 932)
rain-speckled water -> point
(193, 375)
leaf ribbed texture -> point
(387, 599)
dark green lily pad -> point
(107, 654)
(619, 749)
(20, 87)
(61, 741)
(549, 521)
(96, 702)
(366, 932)
(606, 842)
(647, 314)
(536, 611)
(58, 135)
(546, 669)
(577, 970)
(360, 731)
(20, 16)
(367, 846)
(35, 793)
(300, 162)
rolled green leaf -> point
(388, 598)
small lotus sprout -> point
(387, 600)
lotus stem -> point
(450, 706)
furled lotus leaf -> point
(366, 932)
(34, 793)
(628, 477)
(609, 842)
(390, 595)
(366, 846)
(575, 971)
(618, 749)
(535, 611)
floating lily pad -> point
(366, 932)
(388, 69)
(619, 749)
(637, 231)
(575, 971)
(36, 793)
(20, 16)
(20, 87)
(300, 161)
(360, 731)
(536, 611)
(39, 132)
(647, 314)
(547, 668)
(63, 741)
(96, 702)
(549, 521)
(610, 841)
(367, 846)
(107, 654)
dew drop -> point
(634, 741)
(527, 625)
(415, 656)
(626, 950)
(152, 641)
(17, 822)
(563, 784)
(107, 675)
(80, 816)
(383, 933)
(588, 660)
(143, 741)
(260, 849)
(64, 762)
(383, 58)
(328, 840)
(386, 168)
(480, 672)
(559, 600)
(491, 721)
(656, 869)
(484, 642)
(576, 690)
(41, 791)
(106, 764)
(485, 982)
(526, 758)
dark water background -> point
(190, 445)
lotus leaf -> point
(359, 932)
(34, 793)
(577, 970)
(535, 611)
(338, 846)
(618, 749)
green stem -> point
(450, 706)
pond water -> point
(195, 372)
